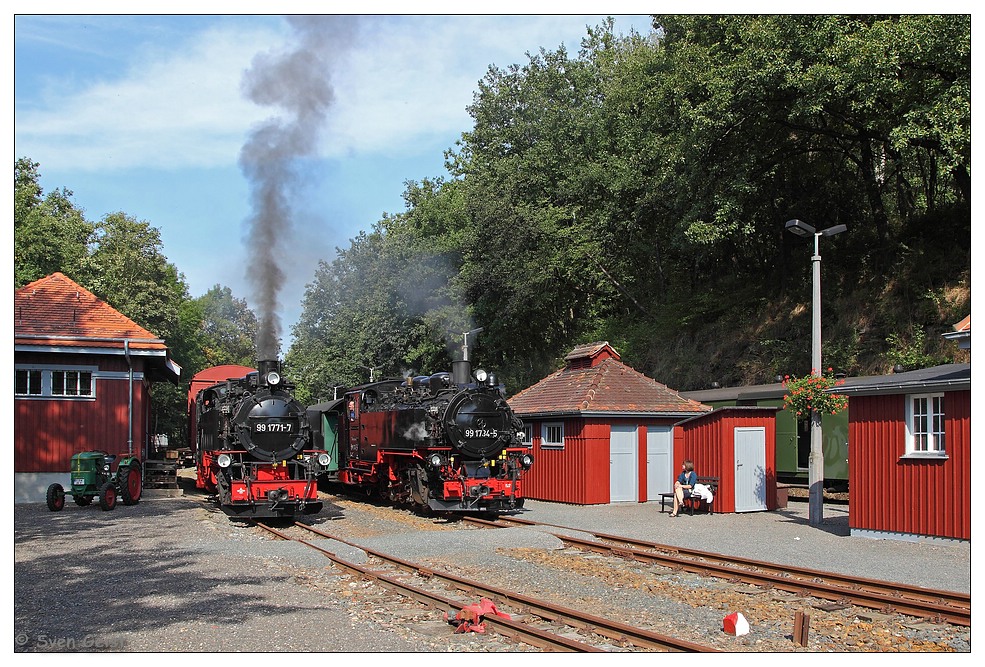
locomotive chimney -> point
(266, 367)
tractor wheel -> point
(82, 501)
(130, 485)
(107, 496)
(55, 497)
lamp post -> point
(815, 471)
(372, 370)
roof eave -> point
(606, 413)
(903, 388)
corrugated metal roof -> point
(936, 378)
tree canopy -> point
(636, 192)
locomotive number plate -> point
(273, 427)
(481, 433)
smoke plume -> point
(298, 82)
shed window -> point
(925, 425)
(552, 435)
(54, 383)
(528, 434)
(27, 382)
(71, 383)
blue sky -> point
(144, 114)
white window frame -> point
(528, 434)
(555, 443)
(925, 426)
(48, 384)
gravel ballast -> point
(176, 575)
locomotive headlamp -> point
(436, 460)
(324, 459)
(224, 460)
(481, 375)
(526, 461)
(273, 378)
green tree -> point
(228, 328)
(50, 233)
(129, 270)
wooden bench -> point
(694, 502)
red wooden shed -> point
(601, 431)
(737, 444)
(909, 464)
(82, 378)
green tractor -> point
(91, 477)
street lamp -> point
(815, 472)
(465, 343)
(372, 370)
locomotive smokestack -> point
(266, 367)
(298, 82)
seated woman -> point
(684, 484)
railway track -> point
(431, 586)
(886, 597)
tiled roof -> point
(609, 386)
(964, 325)
(56, 310)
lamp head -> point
(799, 228)
(831, 231)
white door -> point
(750, 469)
(623, 478)
(659, 461)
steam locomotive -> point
(252, 443)
(446, 442)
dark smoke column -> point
(297, 82)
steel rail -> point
(508, 627)
(614, 630)
(889, 597)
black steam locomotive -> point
(253, 445)
(447, 442)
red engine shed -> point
(82, 378)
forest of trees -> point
(633, 192)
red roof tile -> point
(607, 386)
(56, 310)
(964, 325)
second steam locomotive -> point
(446, 442)
(252, 443)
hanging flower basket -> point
(809, 393)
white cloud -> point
(407, 81)
(180, 109)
